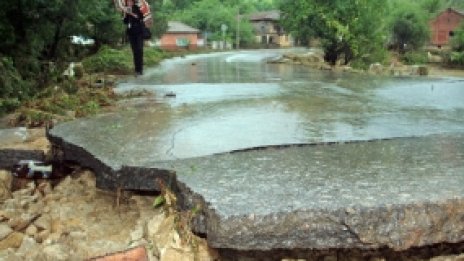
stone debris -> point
(76, 221)
(315, 59)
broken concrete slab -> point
(398, 193)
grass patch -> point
(56, 103)
(415, 57)
(119, 61)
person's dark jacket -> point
(134, 24)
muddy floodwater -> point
(215, 103)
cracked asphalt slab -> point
(324, 160)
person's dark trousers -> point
(136, 42)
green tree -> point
(408, 26)
(457, 41)
(100, 21)
(432, 6)
(36, 40)
(349, 29)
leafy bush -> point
(408, 26)
(89, 108)
(14, 88)
(109, 60)
(153, 56)
(415, 57)
(457, 41)
(8, 105)
(116, 61)
(457, 58)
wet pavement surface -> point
(329, 177)
(204, 107)
(231, 102)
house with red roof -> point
(444, 26)
(180, 36)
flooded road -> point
(215, 103)
(234, 101)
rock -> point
(56, 252)
(37, 208)
(137, 233)
(5, 231)
(421, 70)
(27, 245)
(27, 191)
(325, 67)
(22, 222)
(31, 230)
(45, 188)
(137, 253)
(100, 247)
(70, 114)
(449, 258)
(9, 255)
(87, 179)
(172, 254)
(205, 253)
(42, 236)
(66, 187)
(154, 224)
(312, 57)
(6, 179)
(166, 236)
(78, 235)
(43, 222)
(434, 58)
(5, 186)
(13, 240)
(376, 68)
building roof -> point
(454, 10)
(266, 15)
(179, 27)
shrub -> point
(457, 58)
(116, 61)
(89, 108)
(110, 61)
(14, 89)
(457, 41)
(8, 105)
(415, 57)
(153, 56)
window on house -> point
(451, 33)
(182, 42)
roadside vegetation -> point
(362, 32)
(87, 92)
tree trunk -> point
(56, 40)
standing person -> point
(133, 18)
